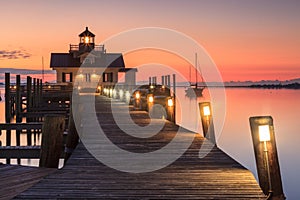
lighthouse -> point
(89, 55)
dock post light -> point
(170, 102)
(268, 170)
(207, 121)
(150, 102)
(121, 94)
(127, 97)
(137, 95)
(99, 89)
(150, 99)
(137, 101)
(110, 92)
(171, 109)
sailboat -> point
(195, 89)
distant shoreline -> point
(295, 86)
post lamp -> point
(170, 102)
(137, 101)
(150, 102)
(207, 121)
(98, 89)
(137, 95)
(171, 109)
(114, 93)
(127, 97)
(150, 99)
(110, 92)
(268, 170)
(121, 94)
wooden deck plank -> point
(15, 179)
(216, 176)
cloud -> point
(14, 54)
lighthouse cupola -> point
(86, 41)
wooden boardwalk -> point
(216, 176)
(15, 179)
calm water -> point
(235, 138)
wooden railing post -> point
(52, 139)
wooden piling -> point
(170, 110)
(28, 94)
(72, 138)
(37, 96)
(174, 97)
(41, 92)
(169, 81)
(52, 139)
(28, 106)
(207, 121)
(18, 108)
(265, 182)
(7, 107)
(34, 93)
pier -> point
(40, 118)
(216, 176)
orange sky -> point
(248, 40)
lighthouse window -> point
(67, 77)
(108, 77)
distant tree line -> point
(277, 86)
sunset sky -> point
(248, 40)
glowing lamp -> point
(170, 102)
(86, 40)
(264, 133)
(99, 87)
(49, 86)
(79, 87)
(206, 111)
(121, 93)
(163, 87)
(127, 96)
(137, 95)
(151, 86)
(150, 99)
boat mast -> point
(42, 68)
(196, 71)
(190, 74)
